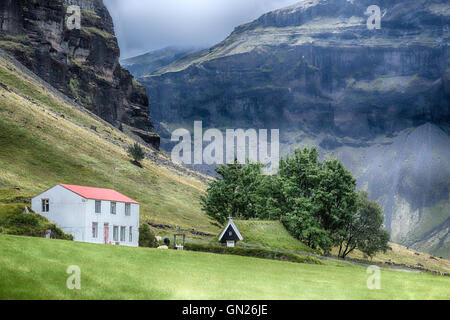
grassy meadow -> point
(35, 268)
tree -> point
(300, 176)
(241, 191)
(319, 199)
(336, 201)
(136, 152)
(146, 237)
(366, 231)
(301, 224)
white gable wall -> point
(67, 210)
(75, 215)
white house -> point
(91, 214)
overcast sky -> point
(144, 25)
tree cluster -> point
(316, 201)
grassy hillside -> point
(35, 268)
(45, 140)
(271, 234)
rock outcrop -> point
(82, 63)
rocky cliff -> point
(316, 65)
(82, 63)
(377, 99)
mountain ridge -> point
(151, 61)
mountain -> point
(149, 62)
(82, 63)
(316, 66)
(410, 177)
(376, 99)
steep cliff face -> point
(82, 63)
(316, 65)
(377, 99)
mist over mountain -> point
(146, 25)
(148, 63)
(376, 99)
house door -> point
(106, 233)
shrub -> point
(136, 152)
(147, 237)
(57, 233)
(25, 225)
(252, 252)
(15, 222)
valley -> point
(311, 74)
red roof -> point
(98, 193)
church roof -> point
(231, 223)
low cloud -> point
(144, 25)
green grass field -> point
(35, 268)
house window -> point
(122, 233)
(94, 230)
(116, 233)
(113, 208)
(131, 234)
(127, 209)
(45, 205)
(98, 206)
(230, 233)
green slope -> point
(35, 268)
(45, 140)
(271, 234)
